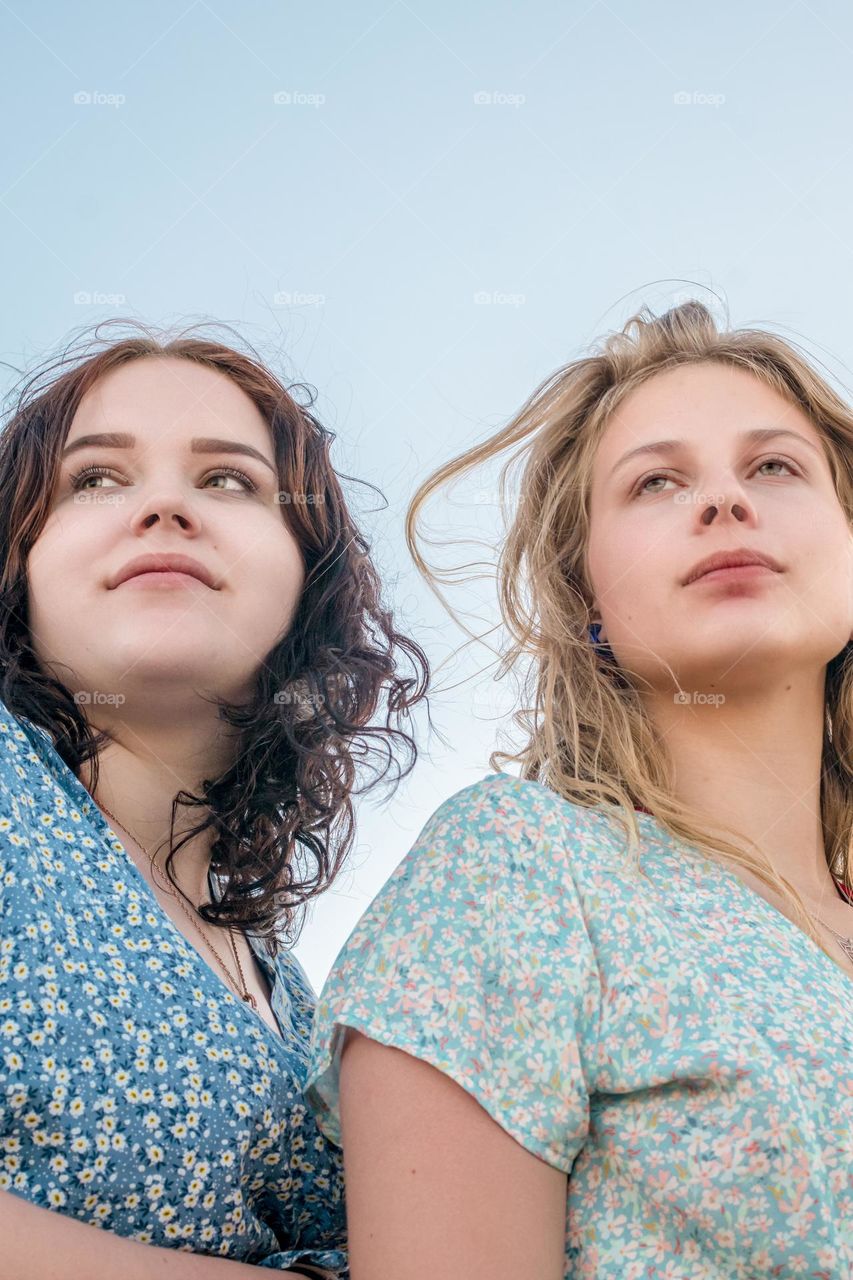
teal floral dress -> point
(137, 1093)
(674, 1044)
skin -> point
(753, 759)
(493, 1210)
(435, 1187)
(160, 649)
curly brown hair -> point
(283, 811)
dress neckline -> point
(71, 784)
(839, 884)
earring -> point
(603, 650)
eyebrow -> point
(664, 447)
(198, 444)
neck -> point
(755, 766)
(139, 774)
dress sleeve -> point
(475, 958)
(312, 1219)
(327, 1264)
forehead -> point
(700, 404)
(147, 394)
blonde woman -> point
(599, 1021)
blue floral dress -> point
(676, 1045)
(137, 1093)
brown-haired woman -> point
(190, 619)
(599, 1021)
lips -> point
(731, 560)
(165, 564)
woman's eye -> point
(660, 475)
(79, 476)
(641, 486)
(776, 462)
(234, 474)
(77, 480)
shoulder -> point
(496, 852)
(18, 736)
(475, 957)
(502, 818)
(503, 798)
(18, 726)
(20, 761)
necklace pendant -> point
(250, 999)
(846, 945)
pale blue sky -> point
(422, 210)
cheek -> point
(619, 558)
(277, 578)
(821, 566)
(73, 543)
(289, 567)
(820, 589)
(629, 581)
(51, 558)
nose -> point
(710, 513)
(182, 520)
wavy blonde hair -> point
(587, 733)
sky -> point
(421, 211)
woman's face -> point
(144, 649)
(657, 515)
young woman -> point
(190, 619)
(599, 1021)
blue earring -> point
(603, 650)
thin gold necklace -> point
(846, 943)
(245, 994)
